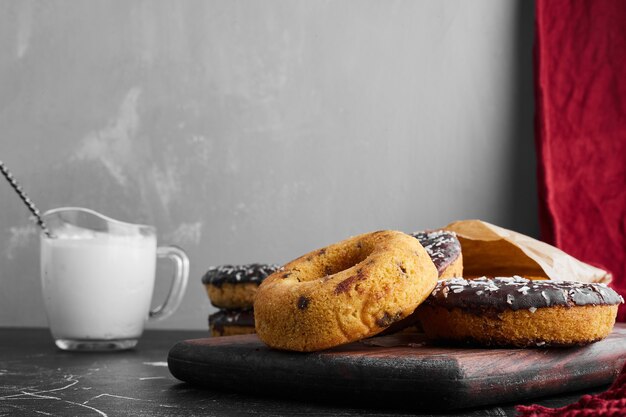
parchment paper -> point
(494, 251)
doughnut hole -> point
(330, 261)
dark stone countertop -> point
(38, 379)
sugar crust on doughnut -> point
(519, 312)
(343, 292)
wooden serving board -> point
(399, 369)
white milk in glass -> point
(97, 285)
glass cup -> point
(98, 278)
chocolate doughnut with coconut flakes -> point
(517, 312)
(231, 322)
(234, 286)
(444, 250)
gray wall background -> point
(255, 131)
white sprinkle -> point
(155, 363)
(509, 299)
(532, 309)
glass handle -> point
(179, 282)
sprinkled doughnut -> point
(234, 286)
(343, 292)
(444, 249)
(519, 312)
(231, 322)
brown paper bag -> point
(489, 250)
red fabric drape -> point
(580, 93)
(611, 403)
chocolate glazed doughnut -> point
(234, 286)
(231, 322)
(444, 249)
(519, 312)
(343, 292)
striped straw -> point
(18, 189)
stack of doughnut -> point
(375, 282)
(231, 289)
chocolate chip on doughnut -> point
(231, 322)
(234, 286)
(444, 249)
(519, 312)
(343, 292)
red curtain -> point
(580, 94)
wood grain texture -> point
(399, 369)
